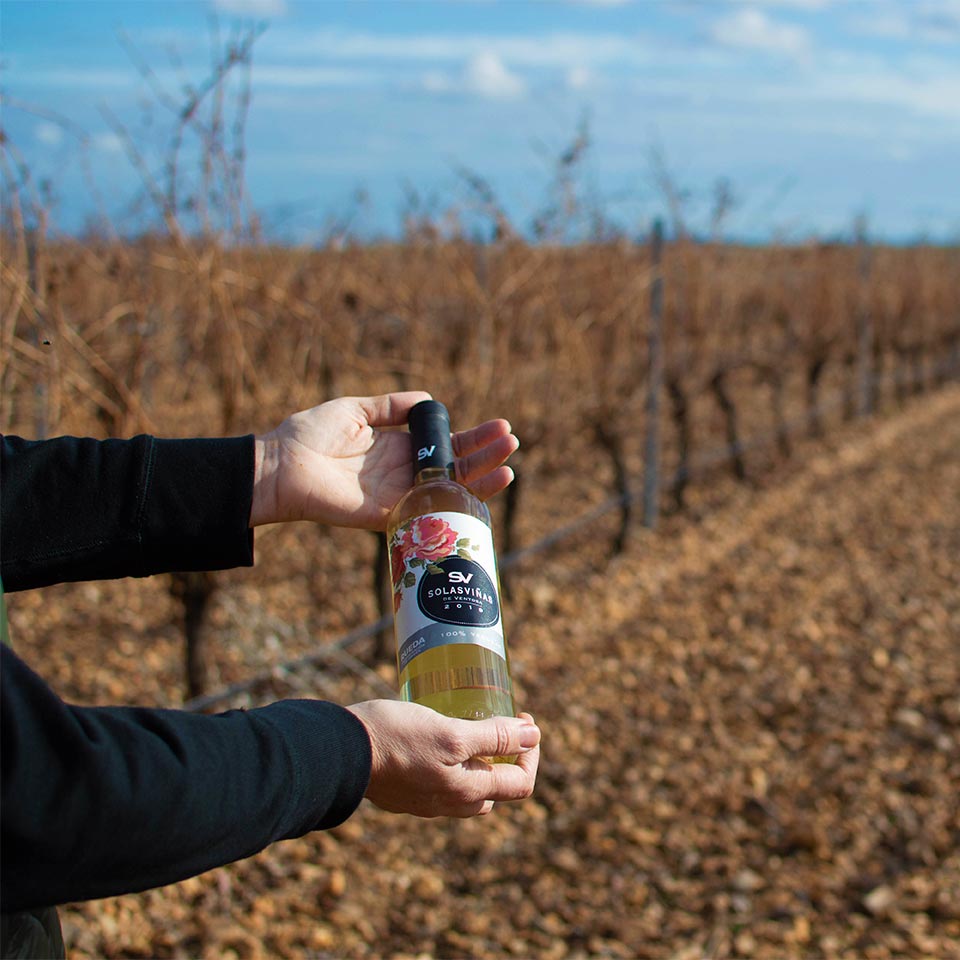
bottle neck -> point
(433, 473)
(431, 442)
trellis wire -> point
(336, 649)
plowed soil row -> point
(752, 747)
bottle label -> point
(443, 568)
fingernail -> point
(529, 736)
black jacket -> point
(98, 801)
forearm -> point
(101, 801)
(82, 509)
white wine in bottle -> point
(451, 650)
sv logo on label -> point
(458, 591)
(425, 452)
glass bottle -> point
(451, 650)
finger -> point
(466, 442)
(529, 762)
(511, 781)
(479, 809)
(391, 409)
(473, 466)
(499, 736)
(492, 483)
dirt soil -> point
(751, 740)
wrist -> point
(263, 508)
(362, 711)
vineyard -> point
(749, 695)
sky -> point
(805, 116)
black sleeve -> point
(98, 801)
(83, 509)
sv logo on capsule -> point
(425, 452)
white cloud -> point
(752, 29)
(901, 152)
(930, 21)
(930, 88)
(78, 78)
(49, 134)
(251, 8)
(484, 75)
(579, 78)
(108, 143)
(436, 81)
(299, 78)
(795, 4)
(487, 75)
(546, 50)
(844, 85)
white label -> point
(444, 573)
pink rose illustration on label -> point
(417, 544)
(429, 538)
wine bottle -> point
(451, 650)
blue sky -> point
(813, 111)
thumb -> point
(391, 409)
(503, 736)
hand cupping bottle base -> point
(451, 650)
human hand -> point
(334, 464)
(425, 763)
